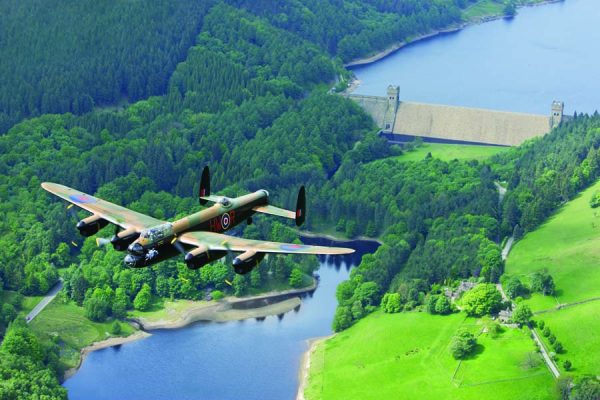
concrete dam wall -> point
(451, 123)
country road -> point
(507, 247)
(547, 358)
(45, 301)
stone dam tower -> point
(402, 120)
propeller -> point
(225, 244)
(72, 212)
(178, 245)
(101, 242)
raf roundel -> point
(225, 220)
(82, 198)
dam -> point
(400, 121)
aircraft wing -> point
(113, 213)
(217, 241)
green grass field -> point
(27, 303)
(581, 344)
(568, 245)
(406, 356)
(483, 8)
(448, 152)
(74, 330)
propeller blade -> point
(101, 242)
(225, 243)
(72, 212)
(178, 245)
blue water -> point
(545, 53)
(235, 360)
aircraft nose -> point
(130, 260)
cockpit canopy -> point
(157, 233)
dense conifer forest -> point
(69, 57)
(248, 97)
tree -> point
(588, 389)
(239, 285)
(443, 306)
(462, 344)
(567, 365)
(546, 332)
(255, 278)
(115, 328)
(481, 300)
(342, 318)
(143, 298)
(510, 10)
(120, 303)
(542, 282)
(391, 303)
(541, 324)
(514, 287)
(522, 314)
(61, 256)
(296, 278)
(217, 295)
(96, 305)
(595, 200)
(558, 347)
(431, 302)
(357, 310)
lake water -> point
(545, 53)
(235, 360)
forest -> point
(72, 57)
(250, 99)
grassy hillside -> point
(67, 322)
(568, 245)
(581, 344)
(449, 152)
(406, 356)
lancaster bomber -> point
(198, 237)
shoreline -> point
(305, 364)
(225, 310)
(311, 235)
(103, 344)
(220, 311)
(355, 83)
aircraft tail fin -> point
(204, 194)
(301, 206)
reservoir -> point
(521, 64)
(251, 359)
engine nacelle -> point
(246, 261)
(123, 239)
(200, 256)
(91, 225)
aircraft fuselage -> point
(158, 243)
